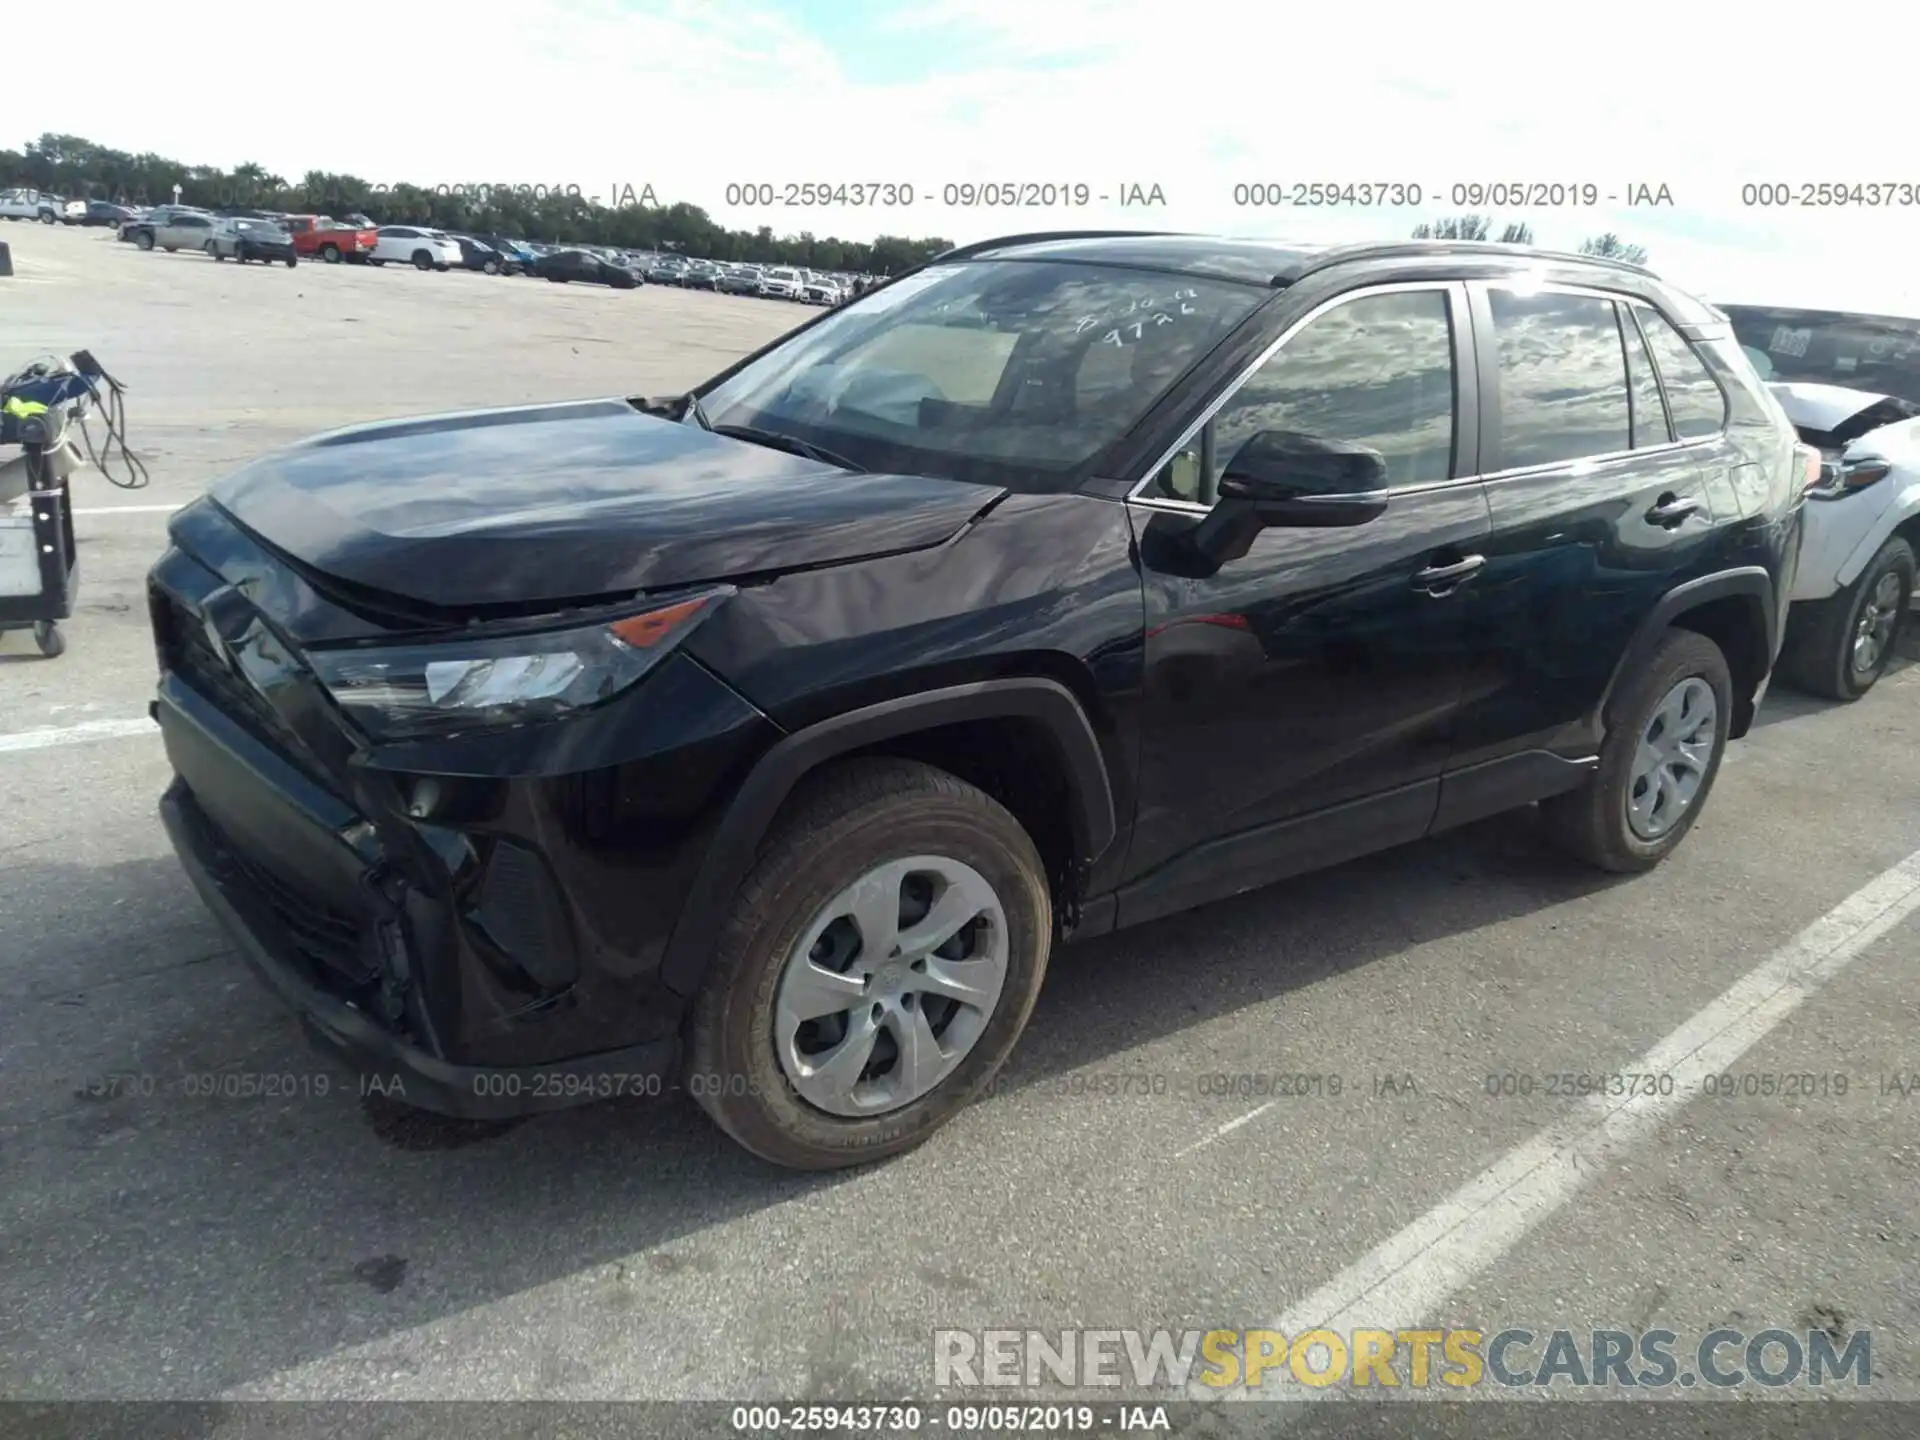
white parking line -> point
(1405, 1281)
(128, 510)
(79, 734)
(1226, 1129)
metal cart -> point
(37, 561)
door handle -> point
(1671, 510)
(1436, 576)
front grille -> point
(322, 935)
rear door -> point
(1600, 505)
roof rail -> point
(1342, 253)
(1036, 237)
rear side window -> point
(1649, 411)
(1562, 377)
(1693, 396)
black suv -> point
(764, 741)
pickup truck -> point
(36, 205)
(321, 237)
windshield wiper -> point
(697, 411)
(774, 440)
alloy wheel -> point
(1873, 632)
(1670, 765)
(890, 985)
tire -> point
(422, 260)
(1827, 641)
(840, 826)
(1593, 822)
(292, 260)
(218, 256)
(46, 634)
(375, 261)
(47, 217)
(330, 254)
(492, 267)
(142, 241)
(170, 249)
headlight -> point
(444, 687)
(1838, 479)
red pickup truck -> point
(322, 237)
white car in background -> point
(821, 290)
(417, 246)
(1850, 382)
(781, 283)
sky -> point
(1194, 97)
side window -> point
(1649, 410)
(1563, 378)
(1693, 395)
(1376, 371)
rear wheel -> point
(1840, 647)
(422, 260)
(875, 970)
(46, 634)
(47, 217)
(330, 254)
(1666, 732)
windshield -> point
(1016, 373)
(1831, 347)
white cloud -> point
(1192, 96)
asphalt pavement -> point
(319, 1244)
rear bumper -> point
(381, 1061)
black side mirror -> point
(1288, 479)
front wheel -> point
(1840, 647)
(47, 217)
(330, 254)
(422, 260)
(292, 260)
(46, 635)
(1666, 733)
(874, 970)
(143, 241)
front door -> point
(1299, 699)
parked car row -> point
(357, 239)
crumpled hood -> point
(1841, 416)
(554, 503)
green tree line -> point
(631, 218)
(1480, 227)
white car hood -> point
(1830, 408)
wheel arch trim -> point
(1905, 506)
(731, 852)
(1751, 583)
